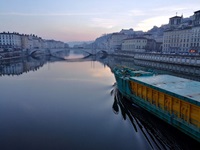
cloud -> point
(186, 9)
(137, 13)
(49, 14)
(104, 23)
(150, 22)
(169, 9)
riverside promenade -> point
(189, 59)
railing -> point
(176, 59)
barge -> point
(173, 99)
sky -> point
(85, 20)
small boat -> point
(172, 99)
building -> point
(27, 42)
(115, 41)
(138, 44)
(10, 41)
(196, 21)
(195, 40)
(180, 38)
(175, 21)
(52, 44)
(128, 31)
(176, 41)
(16, 41)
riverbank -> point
(190, 60)
(24, 53)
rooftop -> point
(197, 11)
(180, 86)
(176, 17)
(136, 38)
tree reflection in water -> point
(158, 134)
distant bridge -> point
(83, 59)
(59, 54)
(89, 57)
(45, 51)
(34, 51)
(91, 51)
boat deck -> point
(183, 87)
(173, 99)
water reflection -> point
(157, 133)
(70, 101)
(21, 65)
(26, 64)
(185, 71)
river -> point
(49, 103)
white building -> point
(175, 41)
(195, 39)
(10, 40)
(175, 21)
(182, 39)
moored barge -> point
(173, 99)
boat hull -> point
(124, 85)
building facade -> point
(115, 41)
(182, 39)
(175, 21)
(196, 21)
(176, 41)
(10, 40)
(16, 41)
(138, 44)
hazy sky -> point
(84, 20)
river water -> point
(49, 103)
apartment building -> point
(116, 40)
(10, 40)
(180, 38)
(175, 41)
(139, 44)
(15, 41)
(196, 21)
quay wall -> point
(190, 60)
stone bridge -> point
(34, 51)
(45, 51)
(91, 51)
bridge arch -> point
(34, 51)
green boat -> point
(172, 99)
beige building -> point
(195, 39)
(27, 42)
(175, 41)
(138, 44)
(115, 41)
